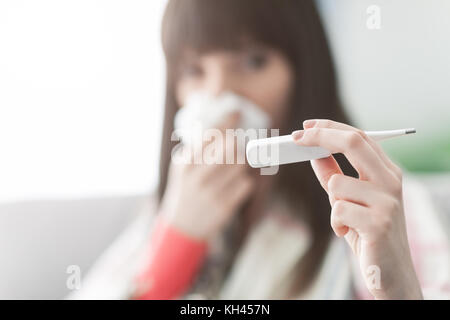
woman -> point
(224, 231)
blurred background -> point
(81, 96)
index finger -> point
(326, 123)
(356, 149)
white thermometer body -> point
(280, 150)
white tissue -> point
(207, 111)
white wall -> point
(81, 90)
(397, 76)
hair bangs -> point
(209, 25)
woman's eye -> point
(255, 61)
(191, 71)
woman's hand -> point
(200, 199)
(367, 211)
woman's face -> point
(261, 75)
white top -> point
(274, 245)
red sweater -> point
(176, 258)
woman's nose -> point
(219, 82)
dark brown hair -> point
(294, 28)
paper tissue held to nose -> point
(206, 111)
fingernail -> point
(309, 123)
(297, 135)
